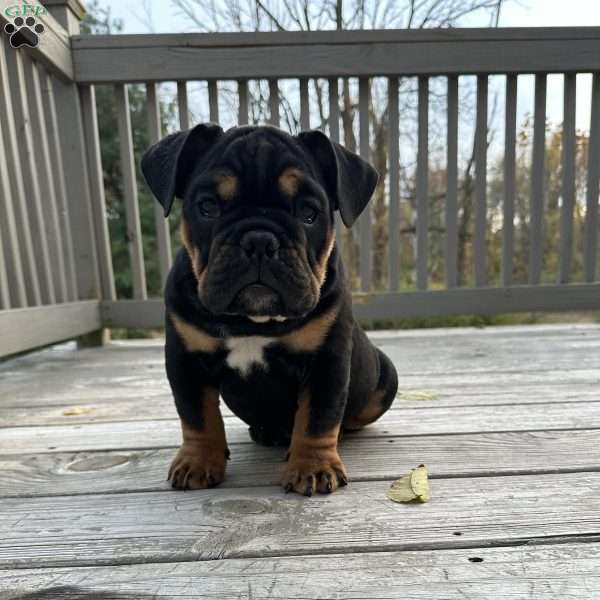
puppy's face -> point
(258, 208)
(258, 226)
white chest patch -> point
(245, 352)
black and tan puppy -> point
(258, 308)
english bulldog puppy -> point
(258, 309)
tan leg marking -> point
(201, 459)
(370, 413)
(194, 339)
(310, 336)
(313, 460)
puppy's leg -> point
(313, 460)
(201, 459)
(367, 407)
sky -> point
(515, 13)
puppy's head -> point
(258, 209)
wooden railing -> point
(56, 272)
(49, 281)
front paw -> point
(197, 468)
(307, 474)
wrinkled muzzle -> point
(255, 270)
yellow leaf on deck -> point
(416, 395)
(413, 487)
(78, 410)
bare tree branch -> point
(269, 14)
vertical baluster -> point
(568, 179)
(134, 234)
(273, 102)
(60, 188)
(46, 181)
(23, 123)
(15, 216)
(394, 160)
(593, 174)
(4, 289)
(334, 109)
(537, 181)
(11, 196)
(422, 184)
(14, 275)
(480, 247)
(365, 218)
(213, 101)
(243, 102)
(334, 134)
(87, 96)
(182, 105)
(508, 209)
(451, 215)
(304, 105)
(163, 235)
(5, 194)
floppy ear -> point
(351, 180)
(167, 165)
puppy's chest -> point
(248, 352)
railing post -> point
(68, 13)
(77, 174)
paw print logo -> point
(24, 32)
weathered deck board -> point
(462, 383)
(451, 342)
(460, 388)
(511, 437)
(252, 522)
(161, 406)
(458, 362)
(389, 457)
(419, 421)
(566, 571)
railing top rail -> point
(308, 38)
(168, 57)
(54, 48)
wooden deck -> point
(511, 436)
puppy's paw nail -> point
(194, 470)
(307, 476)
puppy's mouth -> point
(259, 302)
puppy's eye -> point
(209, 208)
(308, 214)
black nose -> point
(260, 243)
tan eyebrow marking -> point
(226, 186)
(289, 181)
